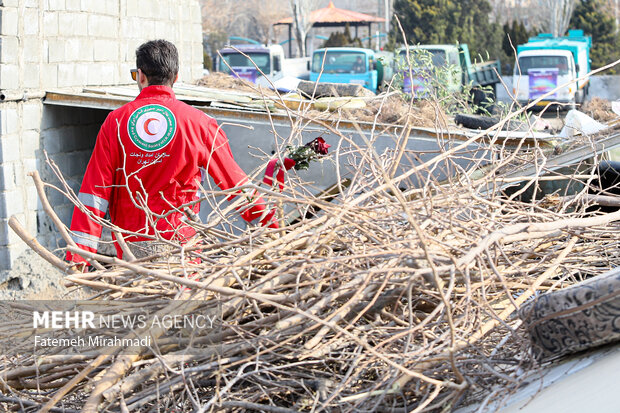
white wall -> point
(59, 43)
(51, 44)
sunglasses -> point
(134, 74)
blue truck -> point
(349, 65)
(546, 62)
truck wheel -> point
(484, 99)
(580, 96)
(584, 94)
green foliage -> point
(448, 22)
(433, 82)
(340, 39)
(595, 19)
(514, 34)
(207, 61)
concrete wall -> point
(52, 44)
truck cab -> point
(345, 65)
(536, 74)
(448, 66)
(244, 61)
(546, 62)
(424, 62)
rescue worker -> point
(147, 161)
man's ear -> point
(175, 79)
(142, 78)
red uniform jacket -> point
(148, 154)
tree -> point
(262, 14)
(449, 22)
(596, 20)
(555, 15)
(253, 20)
(301, 10)
(340, 39)
(514, 34)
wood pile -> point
(381, 298)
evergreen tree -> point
(339, 39)
(449, 22)
(514, 34)
(595, 20)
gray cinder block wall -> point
(69, 44)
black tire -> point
(475, 121)
(485, 122)
(607, 183)
(580, 96)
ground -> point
(33, 278)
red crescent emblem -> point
(146, 126)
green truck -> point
(417, 76)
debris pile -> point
(387, 108)
(219, 80)
(375, 297)
(599, 109)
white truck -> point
(244, 61)
(546, 62)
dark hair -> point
(159, 61)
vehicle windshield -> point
(238, 60)
(438, 56)
(542, 62)
(339, 62)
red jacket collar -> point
(156, 91)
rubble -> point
(218, 80)
(599, 109)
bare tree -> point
(387, 8)
(221, 21)
(301, 10)
(555, 15)
(224, 18)
(263, 14)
